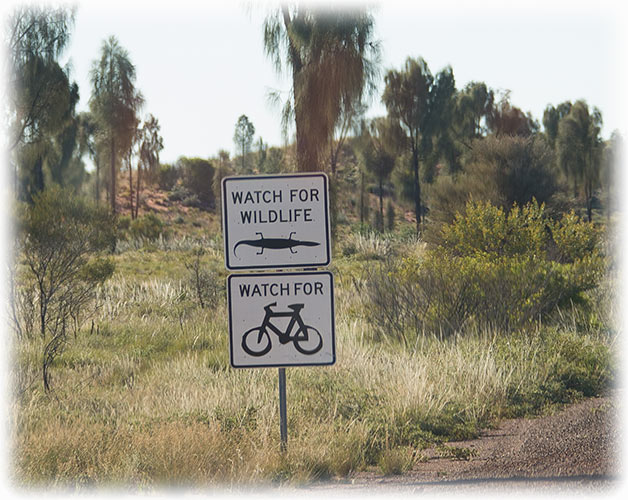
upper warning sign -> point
(276, 221)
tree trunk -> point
(305, 160)
(38, 182)
(131, 186)
(381, 204)
(417, 188)
(362, 198)
(589, 201)
(43, 308)
(112, 194)
(97, 183)
(138, 188)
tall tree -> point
(65, 161)
(551, 118)
(49, 156)
(417, 101)
(150, 145)
(438, 140)
(115, 102)
(378, 144)
(348, 120)
(89, 139)
(332, 60)
(40, 97)
(474, 104)
(579, 148)
(406, 98)
(506, 119)
(243, 138)
(35, 38)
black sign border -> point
(275, 266)
(283, 365)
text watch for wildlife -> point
(276, 221)
(278, 319)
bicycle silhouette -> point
(306, 339)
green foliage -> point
(114, 103)
(579, 150)
(60, 222)
(197, 177)
(486, 229)
(97, 270)
(396, 461)
(575, 239)
(275, 162)
(572, 366)
(502, 170)
(205, 284)
(243, 138)
(167, 176)
(61, 238)
(457, 452)
(41, 132)
(312, 44)
(153, 342)
(148, 227)
(492, 269)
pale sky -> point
(200, 65)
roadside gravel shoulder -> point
(579, 444)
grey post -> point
(283, 424)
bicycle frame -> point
(284, 337)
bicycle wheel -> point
(257, 344)
(308, 340)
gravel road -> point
(577, 450)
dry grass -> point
(147, 398)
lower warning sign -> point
(281, 319)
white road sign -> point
(281, 319)
(276, 221)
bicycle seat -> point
(296, 307)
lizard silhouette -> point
(275, 243)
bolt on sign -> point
(281, 319)
(276, 221)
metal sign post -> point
(283, 421)
(279, 319)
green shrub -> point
(569, 366)
(198, 175)
(396, 461)
(62, 237)
(178, 193)
(167, 176)
(147, 228)
(502, 170)
(486, 229)
(492, 270)
(124, 223)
